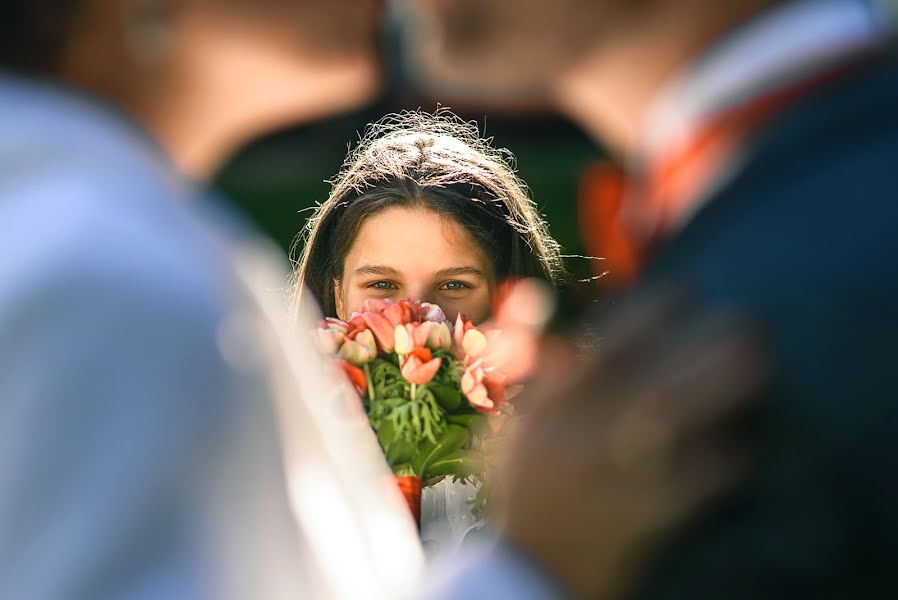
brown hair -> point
(34, 33)
(438, 162)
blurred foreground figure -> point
(141, 357)
(145, 372)
(758, 143)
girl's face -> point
(415, 253)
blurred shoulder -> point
(126, 232)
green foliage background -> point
(277, 179)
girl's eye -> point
(383, 285)
(454, 286)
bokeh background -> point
(277, 179)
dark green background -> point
(275, 180)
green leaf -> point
(449, 398)
(400, 451)
(473, 421)
(452, 439)
(386, 434)
(403, 469)
(461, 463)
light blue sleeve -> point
(114, 403)
(492, 572)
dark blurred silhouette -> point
(756, 146)
(147, 382)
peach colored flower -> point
(440, 338)
(420, 332)
(474, 343)
(462, 324)
(470, 342)
(330, 340)
(374, 305)
(381, 328)
(398, 314)
(420, 366)
(336, 324)
(403, 338)
(360, 350)
(484, 387)
(435, 336)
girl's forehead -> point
(413, 236)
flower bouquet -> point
(426, 387)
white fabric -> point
(349, 509)
(446, 516)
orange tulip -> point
(356, 376)
(420, 366)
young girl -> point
(425, 208)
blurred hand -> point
(520, 313)
(619, 448)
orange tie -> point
(623, 217)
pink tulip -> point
(381, 328)
(357, 321)
(420, 367)
(374, 305)
(484, 388)
(462, 324)
(366, 339)
(394, 314)
(336, 324)
(421, 332)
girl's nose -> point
(417, 292)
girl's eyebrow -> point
(376, 270)
(456, 271)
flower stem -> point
(414, 391)
(370, 383)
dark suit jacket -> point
(805, 239)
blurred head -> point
(201, 75)
(600, 61)
(424, 208)
(510, 47)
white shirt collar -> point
(787, 40)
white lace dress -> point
(446, 517)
